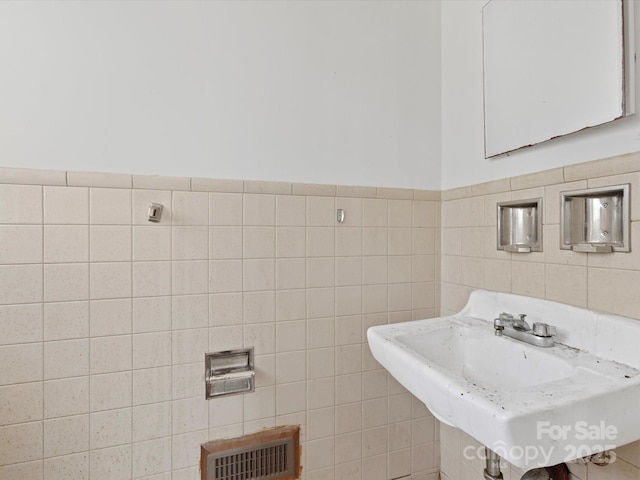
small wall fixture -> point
(229, 372)
(595, 220)
(155, 212)
(520, 226)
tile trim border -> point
(26, 176)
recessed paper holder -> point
(229, 372)
(520, 226)
(595, 220)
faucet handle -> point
(541, 329)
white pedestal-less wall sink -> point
(533, 406)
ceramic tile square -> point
(67, 396)
(320, 211)
(66, 243)
(110, 244)
(399, 435)
(141, 201)
(20, 443)
(348, 241)
(374, 413)
(66, 435)
(225, 242)
(258, 274)
(110, 391)
(290, 305)
(189, 346)
(400, 297)
(290, 336)
(151, 349)
(290, 367)
(151, 385)
(400, 269)
(258, 242)
(348, 330)
(190, 311)
(67, 358)
(225, 338)
(259, 210)
(225, 276)
(374, 441)
(375, 298)
(185, 455)
(320, 332)
(261, 404)
(375, 212)
(320, 272)
(400, 213)
(110, 428)
(151, 421)
(424, 213)
(20, 204)
(400, 241)
(320, 453)
(290, 242)
(290, 398)
(110, 354)
(348, 359)
(14, 407)
(320, 363)
(110, 280)
(152, 278)
(259, 307)
(67, 467)
(320, 302)
(152, 457)
(190, 208)
(320, 423)
(113, 463)
(320, 393)
(66, 205)
(262, 336)
(20, 284)
(348, 418)
(290, 210)
(374, 270)
(528, 279)
(21, 324)
(225, 209)
(424, 241)
(613, 291)
(110, 206)
(320, 242)
(188, 379)
(190, 243)
(66, 320)
(151, 243)
(348, 388)
(374, 241)
(189, 415)
(110, 317)
(151, 314)
(348, 447)
(66, 282)
(21, 244)
(190, 277)
(290, 273)
(348, 300)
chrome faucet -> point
(540, 335)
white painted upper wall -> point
(315, 91)
(463, 161)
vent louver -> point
(267, 462)
(268, 455)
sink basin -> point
(533, 406)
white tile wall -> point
(105, 319)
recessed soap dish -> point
(595, 220)
(520, 226)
